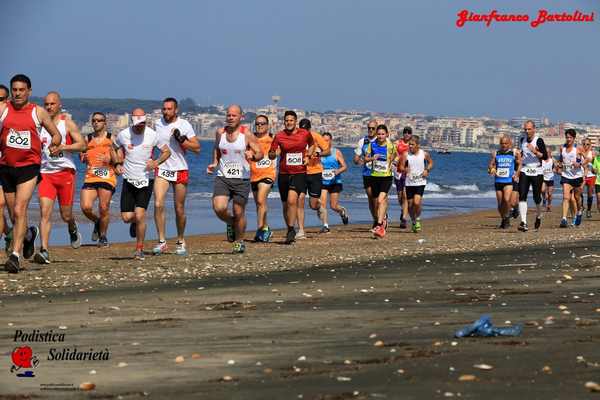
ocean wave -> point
(464, 188)
(433, 187)
(479, 195)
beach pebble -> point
(400, 371)
(195, 356)
(122, 364)
(344, 378)
(592, 386)
(93, 372)
(302, 358)
(562, 307)
(547, 369)
(467, 378)
(567, 277)
(485, 367)
(448, 394)
(62, 327)
(231, 362)
(87, 386)
(372, 336)
(378, 343)
(179, 359)
(267, 370)
(227, 378)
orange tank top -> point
(99, 167)
(264, 168)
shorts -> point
(132, 197)
(590, 180)
(412, 191)
(367, 181)
(597, 188)
(400, 183)
(287, 182)
(314, 182)
(98, 185)
(183, 176)
(254, 185)
(334, 188)
(10, 177)
(236, 189)
(515, 186)
(380, 184)
(59, 184)
(500, 185)
(577, 182)
(549, 182)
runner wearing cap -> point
(180, 137)
(262, 177)
(58, 177)
(135, 146)
(21, 150)
(294, 155)
(100, 177)
(314, 178)
(235, 145)
(333, 167)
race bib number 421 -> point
(18, 139)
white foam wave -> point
(433, 187)
(464, 188)
(479, 195)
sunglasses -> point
(98, 120)
(260, 123)
(3, 98)
(372, 128)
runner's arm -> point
(274, 148)
(323, 145)
(254, 147)
(542, 152)
(492, 163)
(47, 123)
(519, 163)
(429, 166)
(192, 144)
(340, 158)
(312, 146)
(216, 154)
(78, 144)
(165, 153)
(357, 159)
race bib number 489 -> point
(18, 139)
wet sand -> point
(302, 321)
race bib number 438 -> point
(168, 175)
(18, 139)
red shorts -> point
(182, 176)
(590, 180)
(59, 184)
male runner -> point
(262, 178)
(135, 146)
(400, 179)
(292, 143)
(20, 161)
(596, 169)
(234, 147)
(180, 137)
(533, 152)
(333, 166)
(504, 166)
(58, 176)
(4, 227)
(100, 177)
(314, 177)
(571, 167)
(359, 152)
(590, 177)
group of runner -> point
(531, 164)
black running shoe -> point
(230, 233)
(133, 229)
(75, 237)
(538, 223)
(403, 223)
(291, 236)
(12, 264)
(564, 223)
(523, 227)
(29, 245)
(42, 257)
(96, 232)
(344, 215)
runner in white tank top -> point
(571, 166)
(590, 178)
(416, 165)
(234, 146)
(58, 176)
(548, 185)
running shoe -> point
(290, 237)
(344, 215)
(12, 264)
(523, 227)
(42, 257)
(266, 234)
(515, 213)
(230, 233)
(161, 247)
(325, 229)
(301, 235)
(239, 247)
(403, 224)
(258, 235)
(374, 226)
(588, 213)
(139, 255)
(417, 226)
(577, 220)
(75, 237)
(379, 231)
(180, 249)
(133, 229)
(103, 241)
(8, 242)
(29, 244)
(538, 223)
(96, 232)
(385, 222)
(564, 223)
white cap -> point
(138, 120)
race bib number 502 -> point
(18, 139)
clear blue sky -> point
(399, 56)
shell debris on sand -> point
(87, 386)
(592, 386)
(467, 378)
(485, 367)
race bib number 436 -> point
(18, 139)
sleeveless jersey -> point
(531, 164)
(330, 164)
(505, 166)
(20, 142)
(233, 163)
(63, 160)
(382, 167)
(569, 158)
(265, 168)
(416, 167)
(589, 173)
(365, 145)
(547, 169)
(99, 170)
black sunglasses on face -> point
(372, 128)
(98, 120)
(260, 123)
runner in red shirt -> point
(292, 144)
(21, 149)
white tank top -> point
(589, 172)
(416, 167)
(63, 160)
(531, 164)
(568, 159)
(233, 163)
(547, 169)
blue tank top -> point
(330, 164)
(505, 166)
(367, 167)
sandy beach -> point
(336, 316)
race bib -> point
(328, 174)
(19, 139)
(101, 172)
(503, 172)
(294, 159)
(264, 163)
(138, 183)
(531, 170)
(380, 166)
(168, 175)
(232, 170)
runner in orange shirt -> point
(262, 177)
(314, 178)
